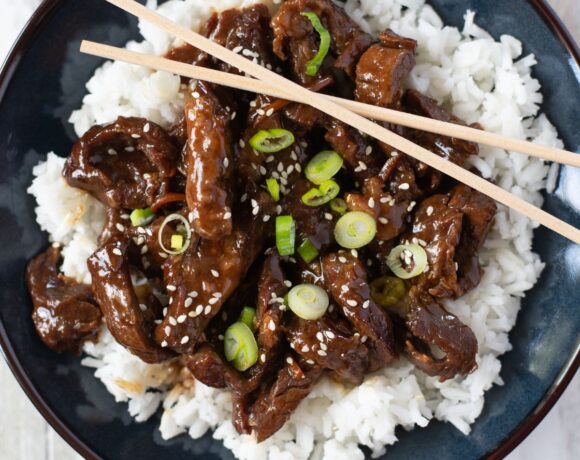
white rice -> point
(480, 80)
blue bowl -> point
(44, 79)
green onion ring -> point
(387, 291)
(187, 227)
(407, 260)
(240, 347)
(314, 64)
(323, 166)
(285, 235)
(141, 217)
(355, 230)
(338, 205)
(307, 251)
(247, 316)
(327, 191)
(308, 301)
(273, 188)
(272, 140)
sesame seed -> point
(191, 314)
(266, 218)
(147, 127)
(263, 170)
(366, 304)
(193, 294)
(144, 250)
(330, 334)
(305, 349)
(351, 303)
(321, 352)
(411, 206)
(185, 339)
(344, 288)
(233, 117)
(368, 150)
(288, 283)
(167, 330)
(129, 149)
(207, 310)
(181, 318)
(327, 216)
(188, 302)
(172, 321)
(242, 143)
(272, 325)
(244, 197)
(255, 211)
(135, 136)
(213, 301)
(263, 357)
(221, 337)
(226, 162)
(164, 344)
(117, 251)
(404, 186)
(323, 346)
(171, 287)
(198, 310)
(298, 167)
(227, 215)
(309, 361)
(143, 307)
(163, 255)
(319, 336)
(342, 259)
(112, 152)
(253, 104)
(363, 338)
(429, 210)
(261, 112)
(289, 360)
(371, 202)
(196, 95)
(215, 273)
(383, 220)
(354, 252)
(270, 112)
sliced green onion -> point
(407, 260)
(338, 205)
(308, 301)
(285, 235)
(141, 217)
(325, 165)
(314, 64)
(186, 230)
(355, 230)
(272, 140)
(240, 346)
(176, 241)
(388, 290)
(273, 188)
(327, 191)
(307, 251)
(247, 316)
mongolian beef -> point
(263, 244)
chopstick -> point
(289, 88)
(369, 111)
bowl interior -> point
(45, 81)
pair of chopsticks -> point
(350, 112)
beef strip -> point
(246, 31)
(452, 227)
(330, 343)
(346, 280)
(390, 215)
(274, 405)
(430, 324)
(382, 70)
(452, 149)
(125, 164)
(209, 163)
(65, 312)
(296, 39)
(124, 314)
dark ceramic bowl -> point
(44, 79)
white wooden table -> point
(24, 435)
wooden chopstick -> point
(289, 88)
(369, 111)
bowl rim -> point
(526, 426)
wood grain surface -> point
(24, 435)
